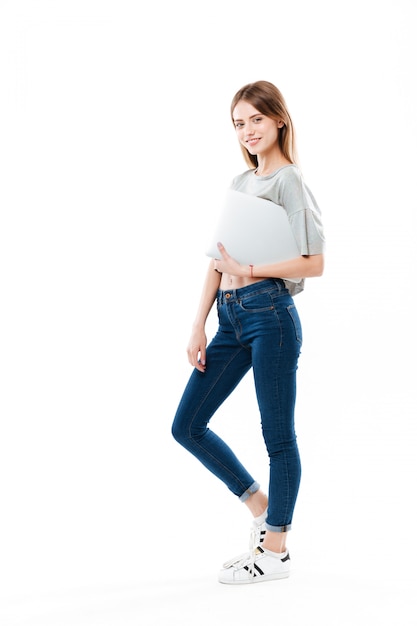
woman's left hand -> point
(226, 264)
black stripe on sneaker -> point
(258, 569)
(286, 558)
(249, 570)
(252, 573)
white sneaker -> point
(257, 566)
(257, 536)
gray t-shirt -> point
(286, 187)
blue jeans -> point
(259, 328)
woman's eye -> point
(238, 124)
(258, 119)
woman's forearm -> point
(208, 296)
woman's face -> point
(255, 131)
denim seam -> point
(196, 443)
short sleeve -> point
(303, 213)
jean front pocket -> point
(256, 303)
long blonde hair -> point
(269, 101)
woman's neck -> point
(268, 166)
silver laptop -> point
(253, 231)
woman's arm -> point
(300, 267)
(196, 349)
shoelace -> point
(246, 558)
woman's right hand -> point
(196, 349)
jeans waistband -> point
(233, 295)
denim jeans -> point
(259, 328)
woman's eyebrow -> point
(250, 117)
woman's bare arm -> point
(196, 349)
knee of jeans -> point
(183, 434)
(178, 432)
(277, 448)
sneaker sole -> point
(256, 579)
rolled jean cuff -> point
(278, 529)
(250, 491)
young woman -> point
(259, 328)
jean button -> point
(228, 296)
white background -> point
(116, 145)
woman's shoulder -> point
(243, 176)
(290, 172)
(285, 180)
(286, 177)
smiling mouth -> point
(252, 140)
